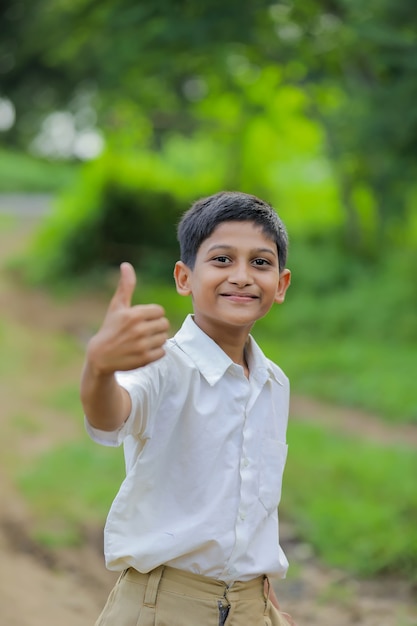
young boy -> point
(202, 416)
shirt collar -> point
(213, 362)
(260, 367)
(209, 358)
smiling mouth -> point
(240, 297)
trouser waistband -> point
(185, 583)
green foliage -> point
(22, 173)
(157, 65)
(137, 53)
(355, 501)
(272, 148)
(69, 488)
(374, 376)
(337, 295)
(26, 424)
(122, 210)
(177, 307)
(347, 330)
(126, 205)
(65, 399)
(357, 63)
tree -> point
(146, 65)
(362, 61)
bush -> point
(121, 210)
(336, 295)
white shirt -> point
(205, 452)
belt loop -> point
(152, 586)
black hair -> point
(198, 223)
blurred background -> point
(114, 117)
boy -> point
(202, 416)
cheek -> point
(269, 285)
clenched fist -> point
(130, 336)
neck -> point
(237, 354)
(232, 341)
(237, 357)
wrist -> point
(95, 363)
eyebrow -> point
(228, 247)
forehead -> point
(238, 233)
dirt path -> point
(67, 587)
(353, 422)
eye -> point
(261, 262)
(221, 259)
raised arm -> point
(130, 337)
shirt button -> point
(242, 516)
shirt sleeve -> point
(145, 387)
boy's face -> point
(235, 280)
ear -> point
(182, 274)
(283, 284)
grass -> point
(370, 375)
(64, 398)
(7, 223)
(26, 424)
(71, 487)
(354, 501)
(23, 173)
(11, 358)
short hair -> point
(199, 222)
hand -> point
(269, 592)
(130, 336)
(289, 619)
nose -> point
(240, 275)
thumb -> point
(124, 292)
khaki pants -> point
(171, 597)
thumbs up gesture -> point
(130, 336)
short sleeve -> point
(103, 437)
(145, 388)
